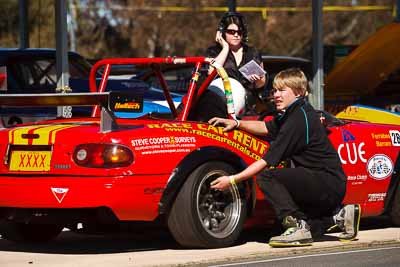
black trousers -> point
(302, 193)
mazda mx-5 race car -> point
(103, 170)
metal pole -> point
(23, 24)
(62, 54)
(232, 5)
(317, 96)
(72, 25)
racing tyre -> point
(395, 212)
(33, 233)
(202, 217)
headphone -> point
(243, 25)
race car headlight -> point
(102, 156)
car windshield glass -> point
(33, 75)
(79, 68)
(177, 77)
(39, 75)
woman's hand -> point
(259, 81)
(221, 183)
(228, 124)
(219, 38)
(254, 77)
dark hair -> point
(233, 18)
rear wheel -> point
(204, 217)
(395, 212)
(35, 233)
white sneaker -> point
(297, 234)
(348, 220)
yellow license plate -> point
(30, 161)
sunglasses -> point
(232, 32)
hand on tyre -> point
(221, 183)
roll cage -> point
(193, 92)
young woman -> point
(232, 52)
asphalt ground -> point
(159, 249)
(383, 256)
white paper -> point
(250, 68)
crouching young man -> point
(313, 190)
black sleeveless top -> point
(230, 66)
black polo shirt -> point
(299, 136)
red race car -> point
(103, 170)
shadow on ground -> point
(148, 240)
(75, 243)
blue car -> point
(33, 70)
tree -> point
(139, 28)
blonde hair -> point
(293, 78)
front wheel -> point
(207, 218)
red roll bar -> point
(107, 63)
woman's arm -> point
(223, 54)
(260, 83)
